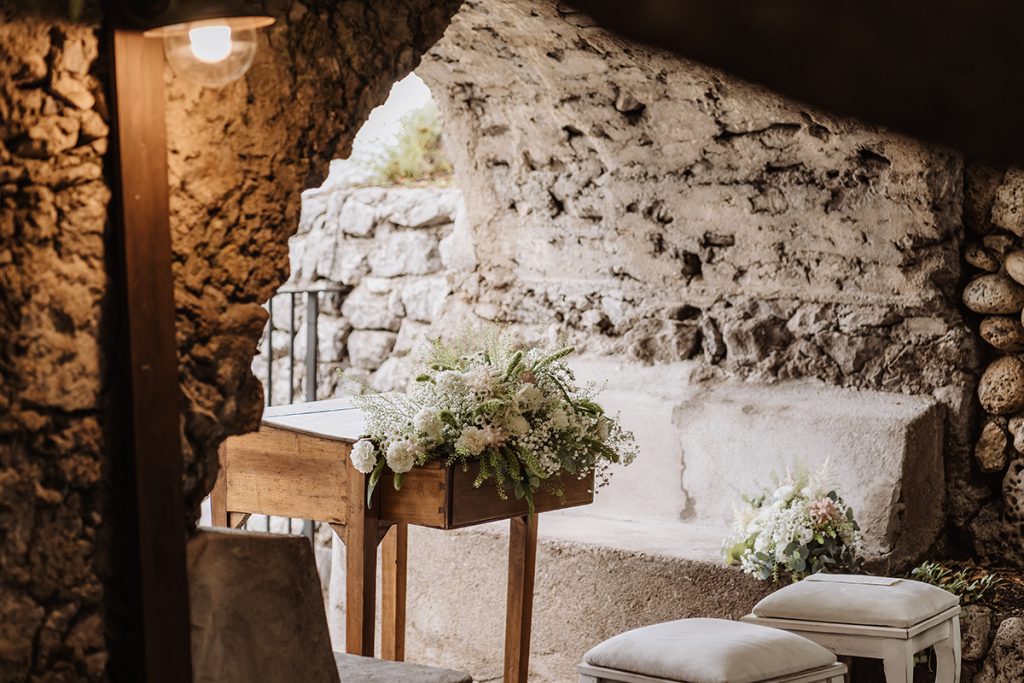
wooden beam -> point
(142, 240)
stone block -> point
(457, 250)
(423, 299)
(884, 453)
(975, 627)
(368, 349)
(1008, 207)
(1005, 660)
(368, 308)
(357, 218)
(410, 336)
(419, 207)
(587, 590)
(405, 252)
(393, 374)
(343, 261)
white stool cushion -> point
(853, 599)
(709, 651)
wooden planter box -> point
(281, 472)
(444, 498)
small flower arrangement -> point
(517, 414)
(801, 527)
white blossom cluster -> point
(798, 528)
(519, 414)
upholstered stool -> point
(709, 651)
(871, 616)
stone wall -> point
(53, 207)
(655, 213)
(651, 210)
(383, 259)
(994, 217)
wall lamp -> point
(210, 43)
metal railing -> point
(311, 383)
(312, 297)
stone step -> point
(595, 578)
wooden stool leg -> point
(394, 563)
(947, 655)
(360, 535)
(897, 662)
(522, 563)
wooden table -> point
(297, 465)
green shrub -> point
(970, 584)
(418, 154)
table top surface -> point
(335, 419)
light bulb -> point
(210, 44)
(212, 52)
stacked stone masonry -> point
(994, 218)
(382, 257)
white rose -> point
(472, 440)
(402, 455)
(529, 397)
(428, 421)
(517, 424)
(559, 420)
(364, 456)
(785, 493)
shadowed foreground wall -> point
(239, 158)
(53, 200)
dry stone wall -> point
(381, 257)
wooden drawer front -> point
(423, 499)
(280, 472)
(476, 505)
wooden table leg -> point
(360, 536)
(394, 562)
(522, 563)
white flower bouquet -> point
(518, 415)
(801, 527)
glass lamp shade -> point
(212, 52)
